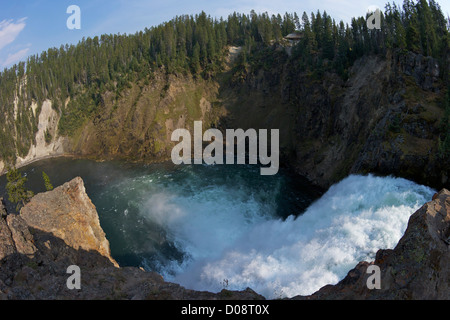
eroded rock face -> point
(68, 213)
(20, 233)
(380, 120)
(3, 212)
(6, 242)
(417, 268)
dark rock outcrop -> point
(383, 119)
(417, 268)
(6, 242)
(424, 70)
(3, 212)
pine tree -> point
(412, 26)
(426, 29)
(47, 183)
(195, 60)
(16, 188)
(400, 32)
(327, 40)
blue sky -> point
(32, 26)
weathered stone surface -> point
(417, 268)
(3, 212)
(21, 235)
(68, 213)
(7, 246)
(6, 242)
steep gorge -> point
(383, 111)
(383, 119)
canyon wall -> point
(384, 119)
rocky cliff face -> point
(60, 228)
(138, 125)
(47, 142)
(383, 119)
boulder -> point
(68, 213)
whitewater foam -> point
(230, 242)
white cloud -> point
(15, 57)
(9, 31)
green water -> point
(127, 197)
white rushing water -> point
(233, 240)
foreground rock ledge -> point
(61, 228)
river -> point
(215, 227)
